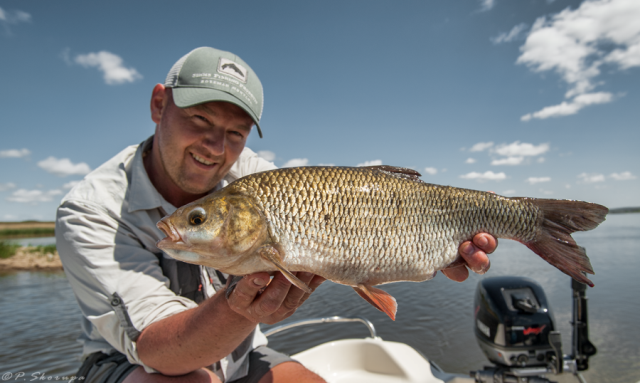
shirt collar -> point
(142, 194)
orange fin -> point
(270, 254)
(379, 299)
(555, 245)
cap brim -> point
(189, 96)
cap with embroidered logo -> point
(207, 74)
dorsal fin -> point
(398, 172)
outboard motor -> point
(516, 330)
(513, 322)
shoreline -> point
(26, 259)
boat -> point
(368, 360)
(514, 328)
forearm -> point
(193, 339)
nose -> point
(214, 140)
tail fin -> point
(555, 245)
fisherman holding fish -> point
(146, 316)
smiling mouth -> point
(201, 160)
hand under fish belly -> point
(365, 226)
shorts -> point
(114, 368)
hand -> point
(473, 254)
(278, 300)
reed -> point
(27, 232)
(8, 250)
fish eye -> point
(197, 216)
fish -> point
(365, 226)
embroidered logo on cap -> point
(233, 69)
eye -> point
(197, 216)
(201, 118)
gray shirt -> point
(106, 236)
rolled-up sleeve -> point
(118, 283)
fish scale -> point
(400, 207)
(365, 226)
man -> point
(147, 317)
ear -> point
(158, 102)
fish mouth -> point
(172, 235)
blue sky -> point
(522, 97)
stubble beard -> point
(179, 175)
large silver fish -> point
(365, 226)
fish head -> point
(220, 230)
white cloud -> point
(481, 146)
(70, 184)
(432, 171)
(470, 161)
(591, 177)
(509, 192)
(518, 149)
(32, 197)
(63, 167)
(486, 176)
(371, 163)
(508, 161)
(294, 162)
(512, 35)
(624, 176)
(537, 180)
(267, 155)
(486, 5)
(540, 160)
(546, 192)
(572, 107)
(15, 153)
(111, 65)
(577, 43)
(7, 186)
(13, 17)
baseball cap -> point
(207, 74)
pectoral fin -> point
(271, 255)
(379, 299)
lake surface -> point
(32, 241)
(40, 318)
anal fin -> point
(271, 255)
(379, 299)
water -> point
(39, 322)
(32, 241)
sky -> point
(534, 98)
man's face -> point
(198, 145)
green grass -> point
(8, 250)
(31, 232)
(43, 249)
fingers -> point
(245, 292)
(272, 298)
(486, 242)
(269, 302)
(473, 255)
(458, 274)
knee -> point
(291, 372)
(199, 376)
